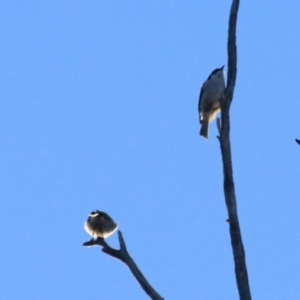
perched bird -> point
(209, 100)
(100, 225)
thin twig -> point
(123, 255)
(229, 191)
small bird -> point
(209, 104)
(297, 141)
(100, 225)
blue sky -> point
(99, 111)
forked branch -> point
(123, 255)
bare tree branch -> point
(229, 191)
(123, 255)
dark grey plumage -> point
(209, 100)
(100, 224)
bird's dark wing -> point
(297, 141)
(200, 97)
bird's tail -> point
(204, 129)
